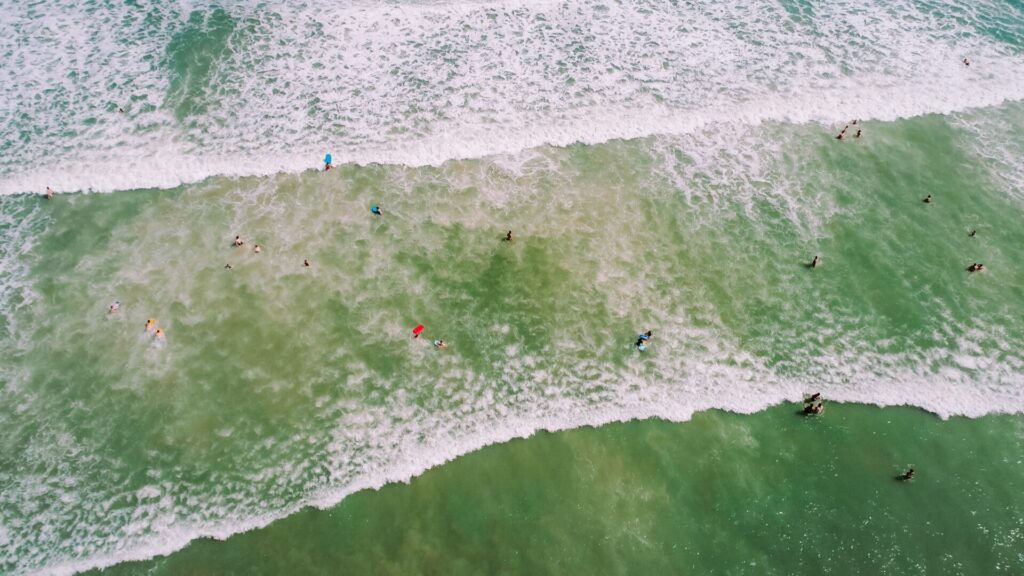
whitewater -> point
(241, 89)
(665, 166)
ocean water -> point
(664, 166)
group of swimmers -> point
(842, 133)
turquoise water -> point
(662, 168)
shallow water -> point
(769, 493)
(669, 168)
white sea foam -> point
(422, 84)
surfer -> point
(976, 267)
(814, 263)
(150, 325)
(257, 249)
(376, 210)
(814, 409)
(49, 193)
(238, 241)
(908, 475)
(927, 199)
(508, 237)
(972, 233)
(115, 306)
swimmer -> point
(814, 409)
(440, 345)
(927, 199)
(855, 122)
(857, 135)
(976, 267)
(49, 193)
(305, 263)
(646, 335)
(376, 210)
(115, 306)
(814, 263)
(508, 237)
(967, 62)
(814, 398)
(227, 266)
(150, 325)
(257, 249)
(908, 475)
(121, 110)
(327, 162)
(159, 332)
(238, 241)
(972, 233)
(842, 133)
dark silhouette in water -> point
(906, 476)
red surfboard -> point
(416, 331)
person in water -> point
(814, 409)
(49, 193)
(257, 249)
(440, 345)
(508, 237)
(967, 62)
(238, 241)
(150, 325)
(227, 266)
(927, 199)
(857, 135)
(972, 233)
(115, 306)
(908, 475)
(814, 398)
(305, 263)
(976, 267)
(376, 210)
(159, 332)
(327, 162)
(842, 133)
(814, 263)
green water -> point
(279, 386)
(771, 493)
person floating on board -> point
(327, 162)
(814, 263)
(115, 306)
(417, 331)
(238, 241)
(908, 475)
(508, 237)
(440, 345)
(376, 210)
(643, 340)
(976, 267)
